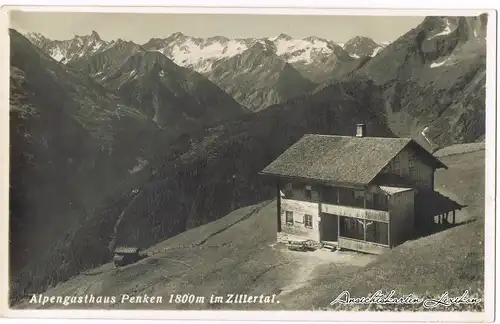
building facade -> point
(358, 192)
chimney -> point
(360, 130)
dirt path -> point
(308, 264)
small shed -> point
(126, 255)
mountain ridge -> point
(200, 54)
(51, 108)
(434, 80)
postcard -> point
(216, 163)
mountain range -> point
(265, 71)
(172, 133)
(200, 54)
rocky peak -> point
(357, 40)
(220, 39)
(314, 39)
(284, 37)
(360, 46)
(265, 46)
(95, 36)
(177, 36)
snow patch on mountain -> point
(65, 51)
(190, 53)
(363, 46)
(377, 50)
(424, 134)
(447, 29)
(300, 50)
(438, 64)
(200, 53)
(57, 54)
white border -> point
(260, 11)
(194, 7)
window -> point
(359, 194)
(308, 192)
(289, 217)
(288, 189)
(308, 221)
(396, 165)
(359, 198)
(330, 195)
(351, 227)
(411, 165)
(379, 202)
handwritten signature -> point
(381, 298)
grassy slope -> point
(451, 260)
(460, 148)
(237, 257)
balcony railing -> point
(355, 212)
(360, 245)
(347, 197)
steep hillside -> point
(71, 142)
(170, 95)
(216, 175)
(258, 78)
(100, 64)
(434, 80)
(225, 257)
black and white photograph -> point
(250, 162)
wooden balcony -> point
(355, 212)
(363, 246)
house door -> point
(329, 227)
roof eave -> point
(438, 163)
(441, 165)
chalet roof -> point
(394, 190)
(126, 249)
(347, 160)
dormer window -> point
(288, 189)
(397, 167)
(411, 166)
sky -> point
(140, 27)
